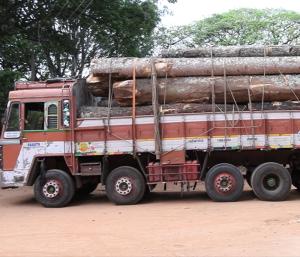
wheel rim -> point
(52, 189)
(123, 186)
(271, 182)
(224, 183)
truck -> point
(45, 143)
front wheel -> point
(224, 183)
(56, 189)
(125, 185)
(271, 182)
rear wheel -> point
(55, 190)
(224, 183)
(125, 185)
(271, 182)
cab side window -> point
(13, 123)
(34, 116)
(52, 115)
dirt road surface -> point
(165, 225)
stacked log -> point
(199, 78)
(233, 51)
(199, 89)
(100, 112)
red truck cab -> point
(37, 124)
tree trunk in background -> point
(33, 67)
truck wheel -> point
(56, 190)
(296, 179)
(87, 189)
(125, 185)
(224, 183)
(271, 182)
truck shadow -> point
(188, 196)
(99, 197)
(197, 197)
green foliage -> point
(56, 38)
(247, 27)
(7, 79)
(128, 28)
(236, 27)
(173, 37)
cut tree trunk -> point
(122, 68)
(102, 112)
(98, 85)
(200, 89)
(233, 51)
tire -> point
(224, 183)
(125, 185)
(86, 189)
(296, 179)
(56, 190)
(271, 182)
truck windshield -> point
(13, 123)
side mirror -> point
(66, 113)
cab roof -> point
(42, 90)
(50, 83)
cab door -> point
(11, 137)
(41, 131)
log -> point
(199, 89)
(89, 112)
(233, 51)
(102, 112)
(122, 68)
(98, 85)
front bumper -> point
(11, 178)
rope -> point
(134, 110)
(225, 102)
(110, 96)
(155, 105)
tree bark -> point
(200, 89)
(233, 51)
(102, 112)
(122, 68)
(98, 85)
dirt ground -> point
(167, 224)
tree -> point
(173, 37)
(236, 27)
(247, 27)
(7, 79)
(55, 38)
